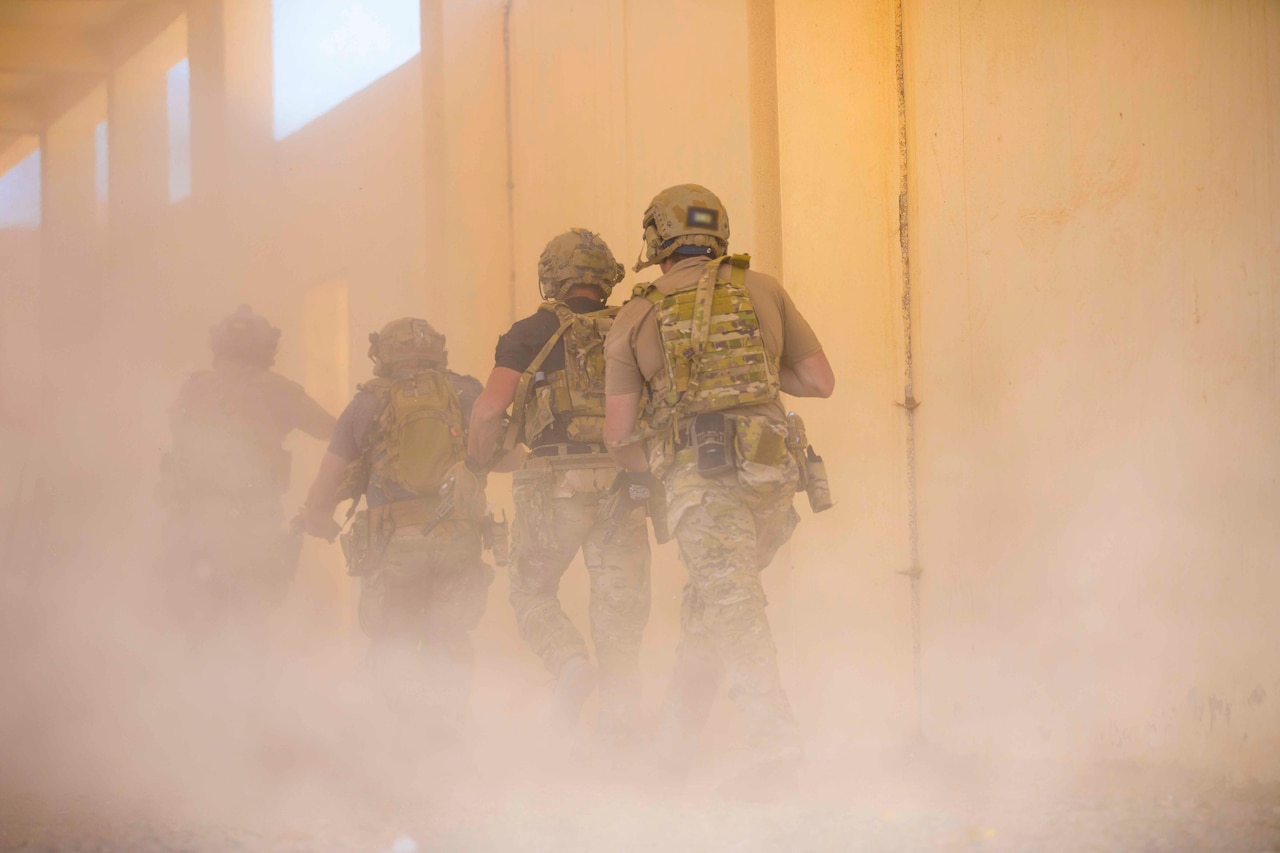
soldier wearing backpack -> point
(416, 548)
(226, 554)
(550, 369)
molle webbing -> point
(576, 392)
(714, 351)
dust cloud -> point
(1095, 438)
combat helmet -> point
(686, 215)
(577, 257)
(407, 339)
(246, 337)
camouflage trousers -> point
(558, 515)
(227, 563)
(728, 528)
(419, 602)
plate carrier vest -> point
(574, 394)
(715, 355)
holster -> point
(357, 546)
(657, 510)
(495, 537)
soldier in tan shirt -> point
(712, 338)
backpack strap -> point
(566, 316)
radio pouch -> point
(712, 438)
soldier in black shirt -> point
(550, 368)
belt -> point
(566, 450)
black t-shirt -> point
(518, 348)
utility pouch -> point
(761, 440)
(355, 546)
(817, 486)
(797, 441)
(711, 435)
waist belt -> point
(547, 450)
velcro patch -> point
(703, 217)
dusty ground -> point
(914, 800)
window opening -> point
(325, 51)
(179, 80)
(20, 193)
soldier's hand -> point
(468, 489)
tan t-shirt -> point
(633, 349)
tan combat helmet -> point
(406, 340)
(577, 257)
(683, 215)
(245, 336)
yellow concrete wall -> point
(838, 169)
(1095, 196)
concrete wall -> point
(1095, 244)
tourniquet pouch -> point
(816, 484)
(711, 435)
(531, 492)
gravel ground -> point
(898, 801)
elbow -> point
(825, 387)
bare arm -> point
(486, 416)
(322, 497)
(314, 420)
(809, 377)
(620, 414)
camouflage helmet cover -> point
(683, 215)
(245, 336)
(577, 257)
(403, 340)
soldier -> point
(225, 547)
(400, 445)
(708, 348)
(550, 365)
